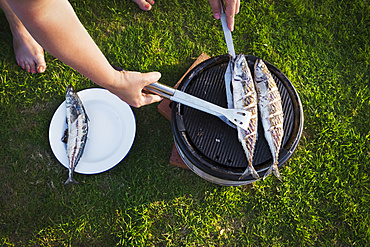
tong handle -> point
(222, 5)
(161, 89)
(227, 32)
(184, 98)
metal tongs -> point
(231, 51)
(239, 117)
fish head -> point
(69, 90)
(70, 95)
(260, 72)
(74, 105)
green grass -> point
(321, 45)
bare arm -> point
(55, 26)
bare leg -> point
(28, 53)
(56, 27)
(144, 5)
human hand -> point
(129, 87)
(232, 8)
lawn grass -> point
(322, 46)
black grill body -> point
(210, 147)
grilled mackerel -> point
(245, 97)
(76, 134)
(272, 117)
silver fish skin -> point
(77, 122)
(245, 97)
(271, 111)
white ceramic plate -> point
(112, 129)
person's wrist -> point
(115, 84)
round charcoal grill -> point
(211, 148)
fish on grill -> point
(76, 135)
(272, 116)
(245, 97)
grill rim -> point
(203, 163)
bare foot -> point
(28, 53)
(144, 5)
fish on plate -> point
(75, 135)
(245, 97)
(271, 111)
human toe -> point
(27, 67)
(32, 68)
(21, 63)
(41, 68)
(41, 65)
(144, 5)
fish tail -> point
(277, 173)
(71, 180)
(268, 172)
(275, 170)
(250, 170)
